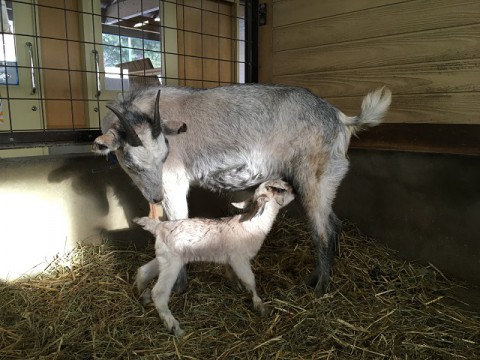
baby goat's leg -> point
(144, 275)
(242, 268)
(169, 269)
(232, 277)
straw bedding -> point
(377, 307)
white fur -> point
(232, 240)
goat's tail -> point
(374, 107)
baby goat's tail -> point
(147, 223)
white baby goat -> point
(231, 240)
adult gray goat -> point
(238, 136)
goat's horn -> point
(157, 121)
(132, 137)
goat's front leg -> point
(175, 187)
(242, 269)
(169, 269)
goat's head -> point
(278, 193)
(140, 145)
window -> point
(8, 58)
(131, 49)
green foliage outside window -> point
(130, 49)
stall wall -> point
(426, 51)
(417, 197)
(425, 206)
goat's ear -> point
(277, 191)
(242, 204)
(280, 200)
(106, 143)
(256, 208)
(172, 127)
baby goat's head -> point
(276, 193)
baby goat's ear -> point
(277, 192)
(242, 204)
(255, 209)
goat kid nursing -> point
(232, 138)
(231, 240)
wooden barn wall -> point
(426, 51)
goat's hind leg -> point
(326, 246)
(318, 193)
(232, 277)
(145, 274)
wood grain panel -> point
(435, 77)
(265, 47)
(294, 11)
(210, 49)
(448, 108)
(61, 54)
(426, 51)
(434, 45)
(414, 16)
(432, 138)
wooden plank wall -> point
(426, 51)
(61, 54)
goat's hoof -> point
(260, 307)
(173, 326)
(262, 311)
(318, 282)
(178, 332)
(146, 297)
(320, 285)
(312, 280)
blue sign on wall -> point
(8, 73)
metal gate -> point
(61, 61)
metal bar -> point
(251, 44)
(97, 72)
(52, 137)
(25, 139)
(67, 41)
(32, 68)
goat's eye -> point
(276, 189)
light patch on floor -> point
(34, 230)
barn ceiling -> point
(128, 13)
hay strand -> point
(378, 307)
